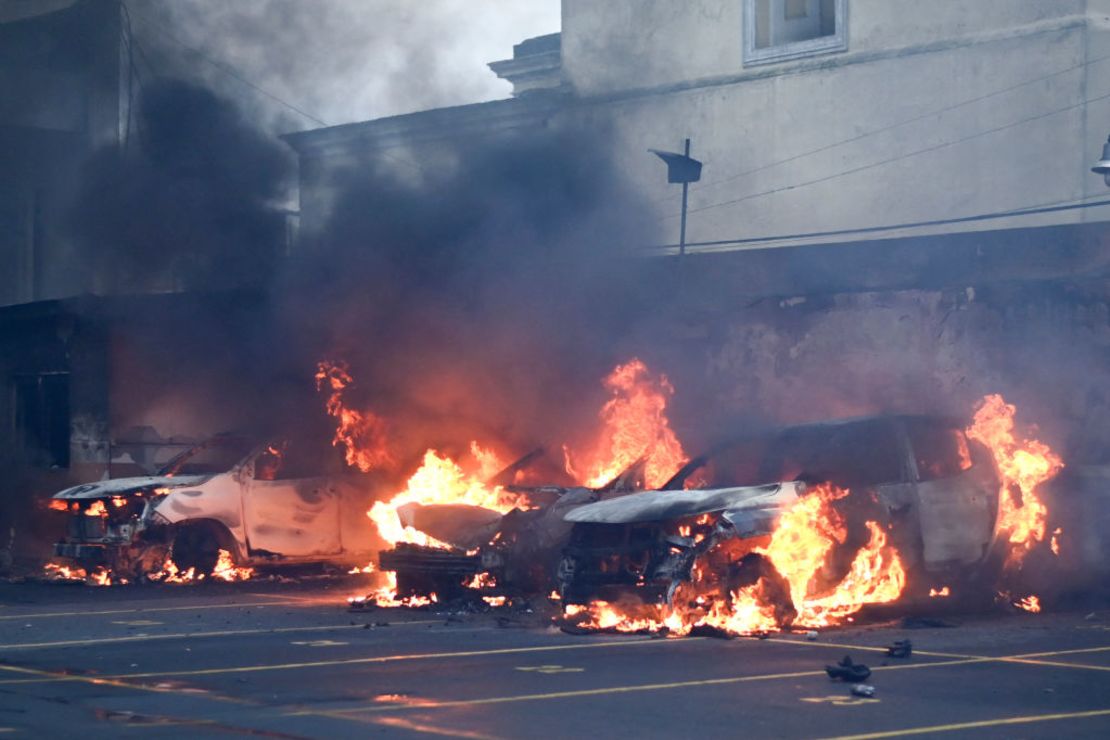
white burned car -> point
(270, 503)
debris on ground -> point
(811, 635)
(848, 671)
(863, 690)
(917, 623)
(900, 649)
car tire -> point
(195, 547)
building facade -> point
(820, 122)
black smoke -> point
(192, 202)
(484, 298)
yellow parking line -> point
(414, 656)
(190, 635)
(1001, 722)
(110, 681)
(1057, 653)
(1027, 658)
(868, 648)
(144, 610)
(433, 704)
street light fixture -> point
(1102, 167)
(684, 169)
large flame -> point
(361, 433)
(1023, 464)
(634, 427)
(804, 538)
(441, 480)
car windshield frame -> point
(177, 462)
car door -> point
(289, 507)
(956, 492)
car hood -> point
(658, 506)
(124, 486)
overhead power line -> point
(227, 70)
(898, 124)
(907, 155)
(1029, 211)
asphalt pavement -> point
(287, 660)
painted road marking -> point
(1001, 722)
(138, 622)
(162, 688)
(190, 635)
(1021, 659)
(145, 610)
(1027, 658)
(841, 700)
(414, 656)
(319, 643)
(609, 690)
(549, 669)
(1030, 659)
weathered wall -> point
(1045, 347)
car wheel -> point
(197, 548)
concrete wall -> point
(1046, 348)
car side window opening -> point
(940, 451)
(290, 461)
(848, 455)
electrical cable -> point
(1027, 211)
(873, 165)
(222, 67)
(890, 127)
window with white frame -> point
(777, 30)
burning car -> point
(517, 551)
(922, 493)
(262, 503)
(931, 491)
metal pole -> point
(682, 227)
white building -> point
(831, 117)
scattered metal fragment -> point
(863, 690)
(848, 671)
(900, 649)
(811, 635)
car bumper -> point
(92, 554)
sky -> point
(337, 61)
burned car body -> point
(934, 489)
(518, 551)
(274, 502)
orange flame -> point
(635, 426)
(385, 595)
(96, 509)
(804, 537)
(225, 570)
(942, 592)
(1023, 464)
(361, 433)
(99, 577)
(441, 480)
(63, 572)
(1029, 604)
